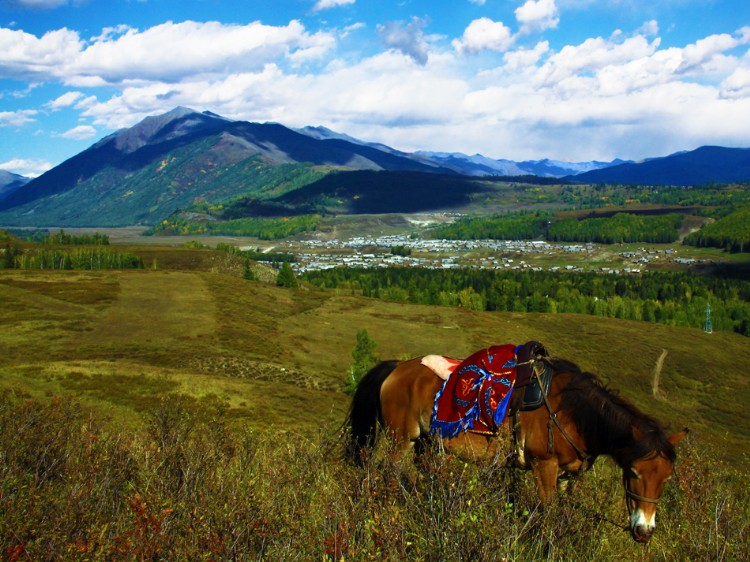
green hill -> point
(121, 339)
(182, 412)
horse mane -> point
(606, 420)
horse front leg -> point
(545, 475)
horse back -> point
(407, 398)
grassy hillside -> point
(181, 412)
(119, 340)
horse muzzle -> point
(641, 529)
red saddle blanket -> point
(477, 393)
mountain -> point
(186, 161)
(10, 183)
(479, 165)
(707, 164)
(558, 168)
(476, 165)
(141, 174)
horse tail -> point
(364, 412)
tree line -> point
(622, 227)
(82, 259)
(731, 233)
(60, 238)
(677, 299)
(263, 228)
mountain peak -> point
(10, 182)
(175, 123)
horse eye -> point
(634, 473)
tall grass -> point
(73, 487)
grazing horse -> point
(579, 420)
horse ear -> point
(677, 437)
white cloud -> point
(602, 98)
(649, 28)
(28, 168)
(81, 132)
(66, 100)
(591, 56)
(204, 47)
(38, 4)
(525, 59)
(17, 118)
(623, 95)
(326, 4)
(483, 33)
(26, 57)
(209, 47)
(737, 84)
(705, 50)
(407, 38)
(537, 15)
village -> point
(401, 250)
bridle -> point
(587, 459)
(631, 497)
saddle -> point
(528, 394)
(481, 390)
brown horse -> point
(579, 420)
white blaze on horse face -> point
(639, 520)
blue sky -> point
(572, 80)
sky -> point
(572, 80)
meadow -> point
(182, 412)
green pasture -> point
(276, 359)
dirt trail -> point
(657, 375)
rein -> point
(583, 455)
(630, 496)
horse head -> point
(644, 480)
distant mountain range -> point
(10, 182)
(707, 164)
(182, 158)
(476, 165)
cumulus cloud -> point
(627, 94)
(407, 38)
(24, 167)
(537, 15)
(326, 4)
(525, 59)
(130, 55)
(483, 33)
(81, 132)
(704, 50)
(622, 95)
(737, 84)
(66, 100)
(24, 56)
(592, 55)
(17, 118)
